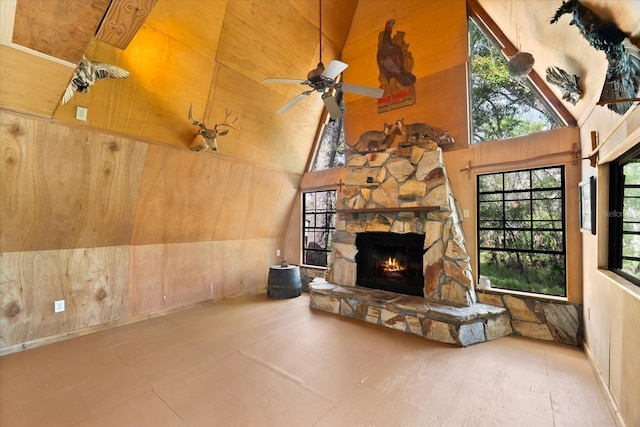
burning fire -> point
(392, 265)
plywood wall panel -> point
(31, 83)
(34, 26)
(168, 276)
(241, 266)
(260, 51)
(437, 104)
(273, 140)
(196, 23)
(180, 196)
(64, 187)
(436, 32)
(93, 282)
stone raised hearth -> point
(462, 326)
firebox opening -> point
(391, 262)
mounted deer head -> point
(207, 137)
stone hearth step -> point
(462, 326)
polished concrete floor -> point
(253, 361)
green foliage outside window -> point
(624, 217)
(502, 106)
(521, 230)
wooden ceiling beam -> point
(123, 20)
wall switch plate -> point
(81, 113)
(58, 306)
(277, 252)
(465, 213)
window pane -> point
(491, 210)
(527, 272)
(502, 106)
(517, 180)
(491, 239)
(624, 216)
(517, 239)
(331, 147)
(320, 220)
(521, 230)
(490, 183)
(545, 178)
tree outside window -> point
(521, 230)
(502, 106)
(319, 213)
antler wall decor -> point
(206, 137)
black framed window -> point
(624, 216)
(319, 213)
(521, 230)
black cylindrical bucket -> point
(284, 282)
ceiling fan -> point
(322, 80)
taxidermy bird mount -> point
(568, 84)
(394, 60)
(207, 138)
(87, 73)
(324, 80)
(623, 74)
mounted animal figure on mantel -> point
(415, 132)
(375, 140)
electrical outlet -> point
(465, 213)
(58, 306)
(164, 297)
(81, 113)
(277, 252)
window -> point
(502, 106)
(521, 230)
(319, 213)
(624, 216)
(330, 153)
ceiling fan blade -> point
(334, 68)
(332, 106)
(372, 92)
(285, 81)
(294, 101)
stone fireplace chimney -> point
(404, 190)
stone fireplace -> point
(402, 191)
(398, 257)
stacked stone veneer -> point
(404, 190)
(538, 317)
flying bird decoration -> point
(394, 60)
(87, 73)
(623, 74)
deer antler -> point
(227, 114)
(195, 122)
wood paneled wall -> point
(120, 228)
(611, 303)
(436, 32)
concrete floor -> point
(253, 361)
